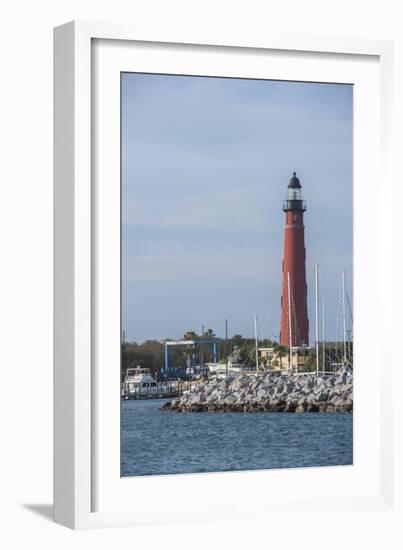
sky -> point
(205, 168)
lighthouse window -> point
(295, 217)
(294, 194)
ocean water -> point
(162, 442)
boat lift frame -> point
(193, 343)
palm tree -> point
(279, 351)
(190, 335)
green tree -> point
(190, 335)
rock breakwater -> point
(269, 392)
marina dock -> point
(140, 384)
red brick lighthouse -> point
(294, 313)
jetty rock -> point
(269, 392)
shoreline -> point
(269, 392)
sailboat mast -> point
(226, 347)
(202, 354)
(256, 346)
(317, 318)
(323, 336)
(289, 318)
(344, 318)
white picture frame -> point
(88, 491)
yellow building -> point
(273, 359)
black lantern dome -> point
(294, 182)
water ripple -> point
(157, 442)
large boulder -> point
(269, 392)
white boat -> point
(138, 383)
(220, 369)
(216, 368)
(236, 367)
